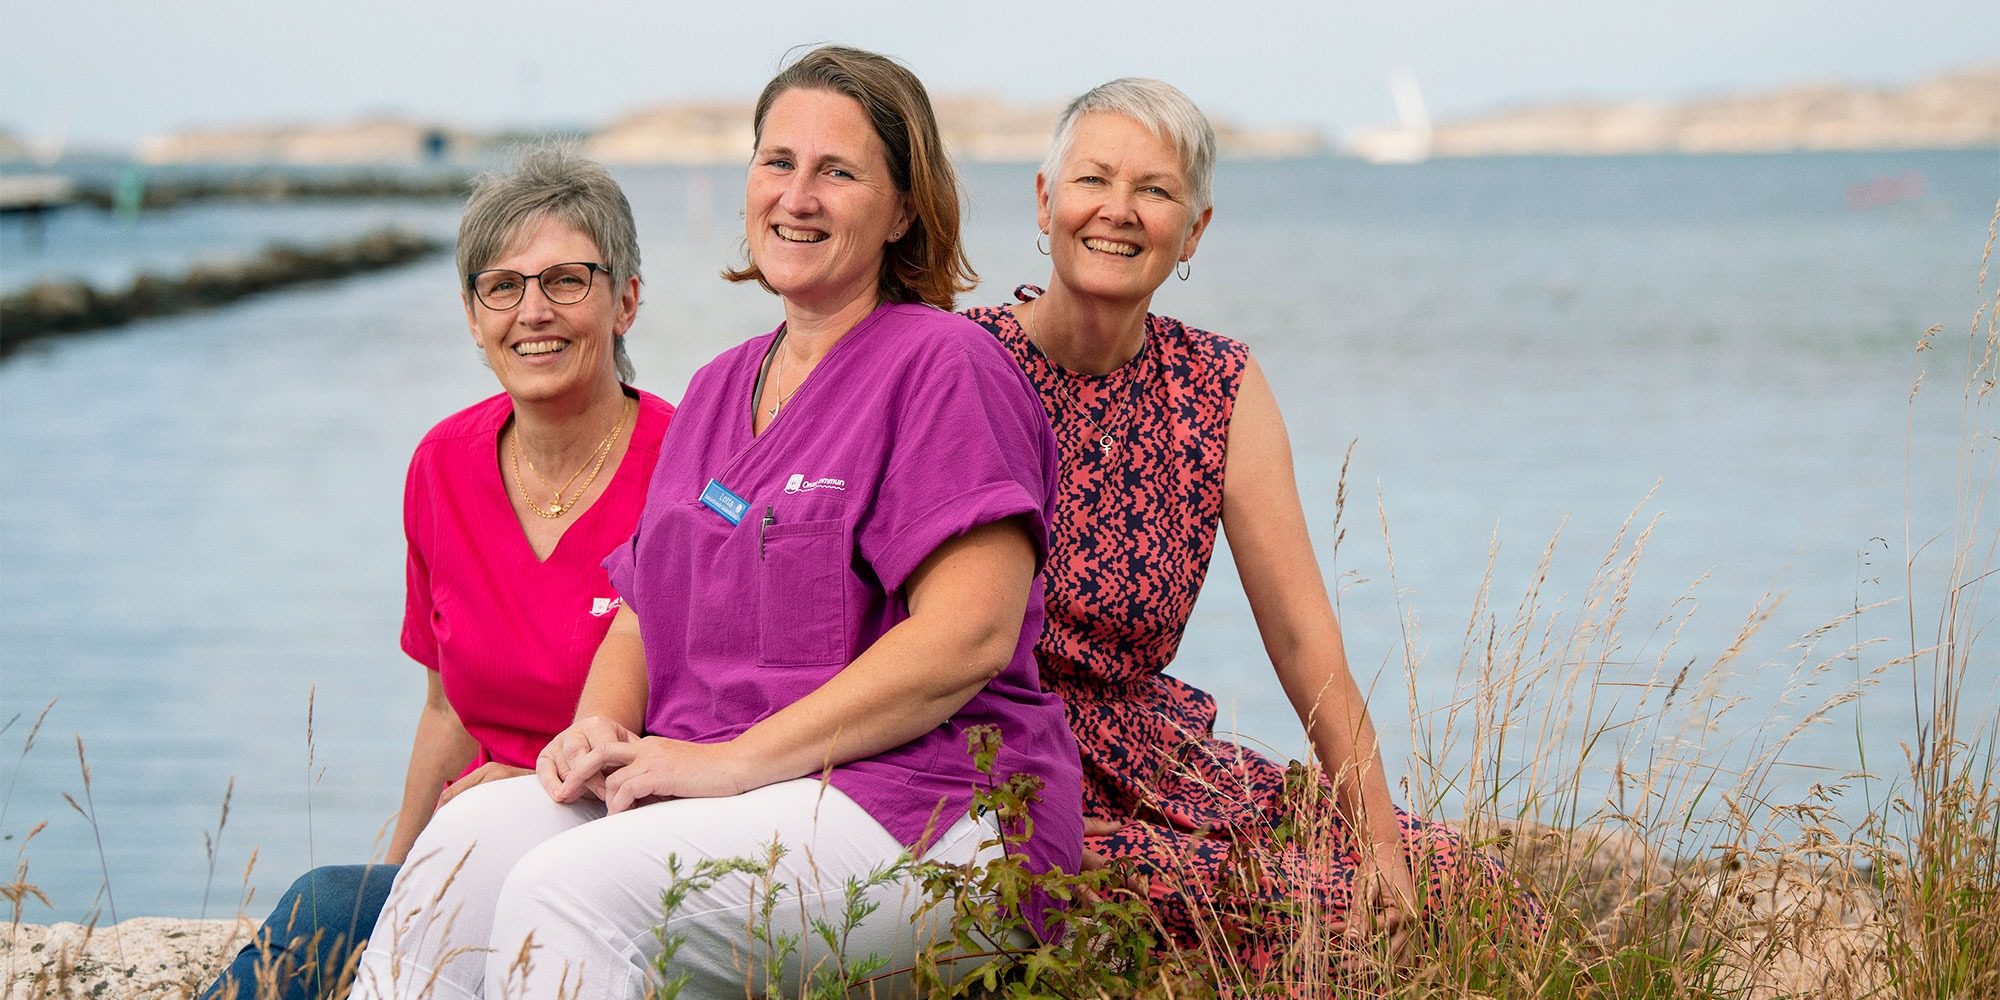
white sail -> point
(1410, 140)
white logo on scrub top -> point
(601, 606)
(798, 484)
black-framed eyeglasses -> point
(563, 284)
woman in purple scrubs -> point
(834, 577)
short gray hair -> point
(1164, 110)
(551, 181)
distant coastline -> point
(1956, 110)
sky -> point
(108, 73)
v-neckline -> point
(763, 372)
(799, 396)
(520, 533)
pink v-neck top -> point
(914, 429)
(511, 636)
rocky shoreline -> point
(1780, 928)
(57, 307)
(141, 957)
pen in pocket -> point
(770, 518)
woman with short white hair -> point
(1167, 432)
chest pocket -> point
(802, 595)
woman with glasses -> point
(833, 581)
(510, 508)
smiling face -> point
(820, 204)
(1119, 211)
(542, 351)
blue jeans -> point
(305, 945)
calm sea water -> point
(200, 569)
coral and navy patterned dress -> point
(1218, 829)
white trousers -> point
(508, 894)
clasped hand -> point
(598, 757)
(1381, 912)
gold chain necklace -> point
(1104, 440)
(559, 508)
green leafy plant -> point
(1097, 937)
(705, 874)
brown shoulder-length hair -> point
(926, 264)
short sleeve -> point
(419, 601)
(619, 566)
(971, 447)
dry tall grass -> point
(1591, 763)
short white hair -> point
(1164, 110)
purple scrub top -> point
(914, 429)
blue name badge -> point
(716, 497)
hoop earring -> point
(1039, 237)
(1184, 269)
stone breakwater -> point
(278, 185)
(1780, 928)
(57, 307)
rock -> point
(1615, 883)
(1793, 929)
(1780, 926)
(142, 957)
(53, 306)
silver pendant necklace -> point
(771, 362)
(1105, 440)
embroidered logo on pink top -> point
(799, 484)
(601, 606)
